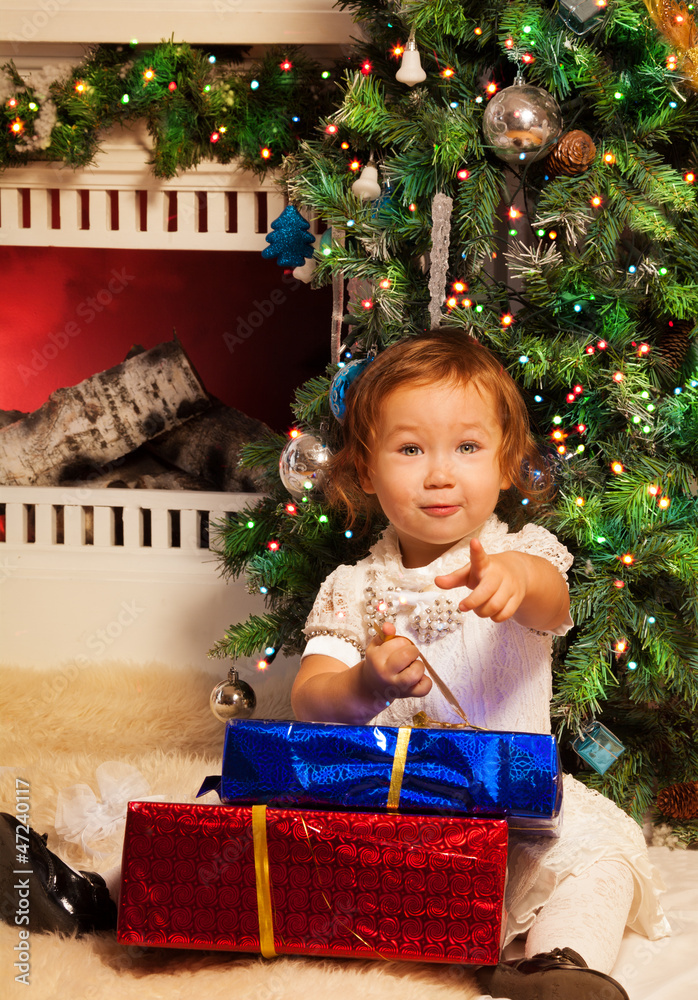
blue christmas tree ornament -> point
(341, 382)
(290, 242)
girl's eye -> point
(410, 449)
(468, 447)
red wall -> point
(253, 332)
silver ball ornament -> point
(232, 698)
(521, 123)
(302, 464)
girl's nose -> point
(439, 476)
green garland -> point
(195, 108)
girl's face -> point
(434, 466)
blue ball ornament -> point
(341, 382)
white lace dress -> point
(501, 676)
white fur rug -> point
(57, 728)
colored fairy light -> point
(557, 420)
(17, 126)
(561, 449)
(596, 201)
(513, 232)
(250, 524)
(642, 350)
(148, 74)
(621, 646)
(265, 152)
(412, 207)
(463, 174)
(451, 303)
(581, 428)
(254, 84)
(632, 665)
(264, 590)
(466, 303)
(262, 664)
(527, 29)
(325, 74)
(663, 271)
(447, 73)
(12, 102)
(552, 234)
(678, 390)
(32, 106)
(618, 376)
(580, 501)
(125, 99)
(367, 303)
(478, 99)
(538, 399)
(664, 502)
(609, 159)
(618, 95)
(286, 65)
(570, 397)
(653, 489)
(80, 86)
(619, 584)
(580, 449)
(507, 319)
(514, 213)
(351, 222)
(295, 118)
(223, 129)
(323, 519)
(479, 309)
(540, 232)
(602, 345)
(291, 508)
(345, 145)
(326, 251)
(523, 359)
(215, 136)
(600, 539)
(366, 67)
(627, 559)
(269, 651)
(331, 129)
(172, 86)
(348, 534)
(453, 104)
(577, 307)
(478, 31)
(398, 50)
(509, 43)
(273, 545)
(689, 177)
(385, 283)
(491, 88)
(527, 58)
(632, 269)
(558, 435)
(617, 468)
(578, 389)
(459, 286)
(525, 501)
(354, 165)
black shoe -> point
(560, 973)
(42, 893)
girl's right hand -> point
(393, 669)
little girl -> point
(434, 430)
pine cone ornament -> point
(673, 342)
(679, 801)
(573, 154)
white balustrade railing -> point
(97, 574)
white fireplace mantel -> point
(224, 22)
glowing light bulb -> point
(331, 129)
(653, 489)
(286, 65)
(451, 303)
(514, 213)
(621, 646)
(689, 177)
(273, 545)
(294, 433)
(596, 201)
(385, 283)
(215, 136)
(250, 524)
(265, 153)
(345, 145)
(172, 86)
(618, 376)
(80, 86)
(463, 174)
(447, 73)
(580, 501)
(367, 303)
(664, 502)
(291, 508)
(354, 165)
(148, 74)
(491, 88)
(609, 158)
(459, 286)
(617, 468)
(366, 67)
(627, 559)
(507, 319)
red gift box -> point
(292, 881)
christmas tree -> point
(537, 165)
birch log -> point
(103, 418)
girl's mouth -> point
(441, 510)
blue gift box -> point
(458, 771)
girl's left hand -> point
(498, 583)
